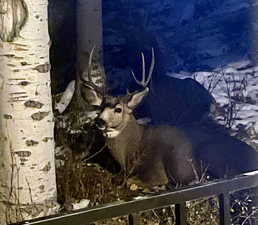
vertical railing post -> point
(134, 219)
(224, 209)
(180, 212)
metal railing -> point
(220, 188)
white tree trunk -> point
(89, 34)
(27, 175)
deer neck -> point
(127, 145)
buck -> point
(166, 154)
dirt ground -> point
(79, 180)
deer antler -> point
(144, 82)
(89, 81)
(90, 65)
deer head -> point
(117, 111)
(89, 90)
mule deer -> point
(162, 154)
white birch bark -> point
(27, 174)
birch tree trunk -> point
(89, 34)
(27, 174)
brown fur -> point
(161, 154)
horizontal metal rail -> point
(221, 188)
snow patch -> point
(83, 203)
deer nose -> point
(100, 123)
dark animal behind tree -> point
(171, 100)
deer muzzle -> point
(101, 124)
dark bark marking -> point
(39, 115)
(47, 167)
(23, 154)
(43, 68)
(46, 139)
(23, 160)
(24, 83)
(31, 142)
(8, 117)
(42, 188)
(33, 104)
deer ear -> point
(91, 96)
(66, 97)
(136, 98)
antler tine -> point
(143, 70)
(152, 66)
(144, 82)
(88, 81)
(136, 80)
(89, 64)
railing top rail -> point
(84, 216)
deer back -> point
(142, 150)
(174, 154)
(160, 154)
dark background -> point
(188, 36)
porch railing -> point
(220, 188)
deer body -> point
(162, 154)
(174, 154)
(141, 150)
(158, 154)
(185, 100)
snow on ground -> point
(240, 87)
(236, 84)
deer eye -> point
(118, 110)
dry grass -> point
(77, 180)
